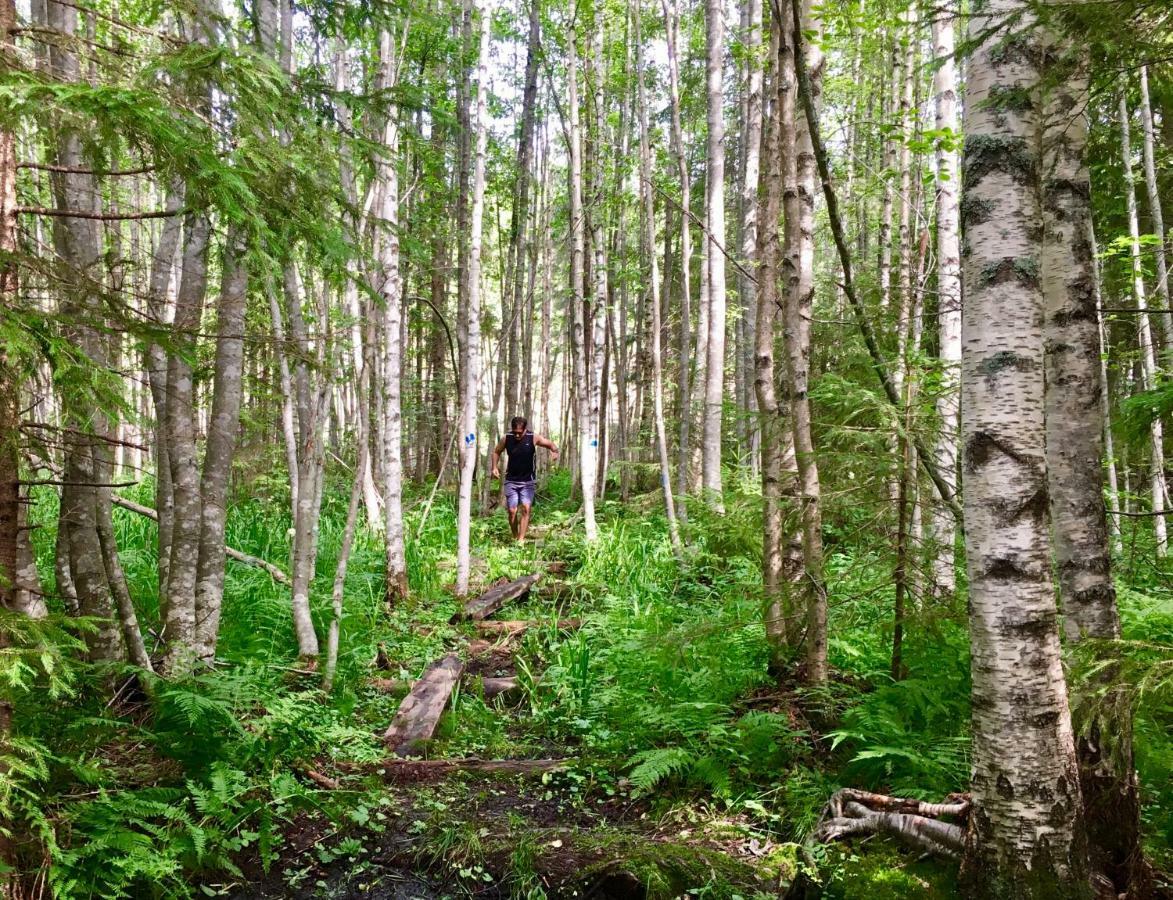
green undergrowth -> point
(661, 696)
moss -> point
(1004, 98)
(886, 872)
(976, 211)
(988, 153)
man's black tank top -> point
(521, 457)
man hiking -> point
(520, 474)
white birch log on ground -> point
(420, 711)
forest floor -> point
(580, 830)
(686, 769)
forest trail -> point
(461, 826)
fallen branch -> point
(323, 781)
(850, 813)
(274, 572)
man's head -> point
(517, 425)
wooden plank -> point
(421, 709)
(494, 598)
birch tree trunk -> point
(772, 414)
(1148, 358)
(391, 289)
(1155, 211)
(798, 192)
(1026, 837)
(684, 394)
(750, 174)
(578, 325)
(468, 430)
(649, 223)
(948, 297)
(715, 216)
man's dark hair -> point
(518, 420)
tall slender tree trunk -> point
(1027, 834)
(773, 426)
(1148, 357)
(684, 393)
(653, 286)
(948, 297)
(798, 192)
(1155, 211)
(715, 215)
(78, 242)
(578, 324)
(391, 289)
(1105, 398)
(750, 223)
(1075, 388)
(471, 374)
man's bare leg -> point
(513, 521)
(522, 522)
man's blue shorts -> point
(519, 492)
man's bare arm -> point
(496, 458)
(547, 443)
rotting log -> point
(276, 573)
(493, 599)
(420, 711)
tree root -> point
(916, 823)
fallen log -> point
(275, 573)
(420, 711)
(511, 627)
(495, 597)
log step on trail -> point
(421, 709)
(493, 599)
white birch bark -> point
(715, 216)
(1074, 386)
(684, 395)
(578, 327)
(944, 524)
(391, 289)
(1026, 833)
(649, 223)
(1155, 211)
(1148, 357)
(471, 375)
(799, 188)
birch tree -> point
(715, 240)
(948, 293)
(1027, 835)
(472, 373)
(1148, 353)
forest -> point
(586, 448)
